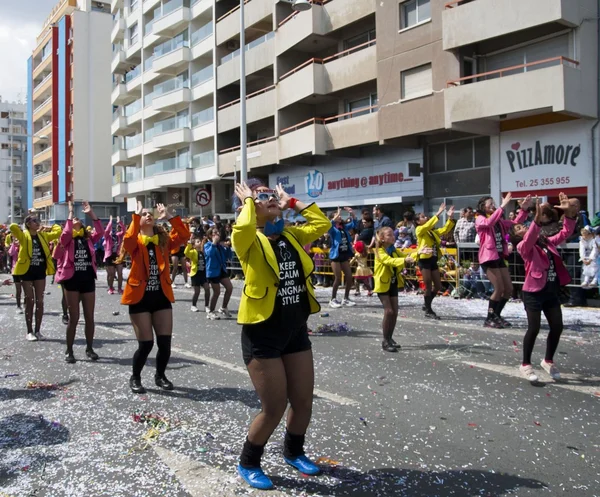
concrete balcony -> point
(118, 31)
(352, 129)
(173, 22)
(465, 23)
(323, 76)
(149, 5)
(172, 62)
(42, 179)
(259, 153)
(119, 61)
(228, 25)
(119, 158)
(120, 95)
(134, 118)
(202, 46)
(306, 138)
(258, 57)
(44, 66)
(46, 131)
(203, 83)
(134, 86)
(176, 138)
(43, 156)
(172, 101)
(203, 124)
(43, 201)
(42, 110)
(173, 178)
(119, 126)
(120, 190)
(44, 87)
(115, 5)
(200, 7)
(132, 53)
(515, 95)
(134, 152)
(259, 105)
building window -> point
(459, 155)
(133, 34)
(414, 12)
(416, 82)
(133, 5)
(360, 39)
(366, 103)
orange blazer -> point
(138, 275)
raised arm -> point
(130, 240)
(385, 259)
(54, 233)
(450, 223)
(569, 221)
(244, 229)
(16, 231)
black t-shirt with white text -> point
(291, 302)
(552, 279)
(201, 263)
(153, 284)
(37, 264)
(344, 243)
(498, 238)
(84, 270)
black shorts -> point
(199, 279)
(540, 301)
(392, 292)
(217, 280)
(34, 275)
(179, 254)
(430, 263)
(343, 257)
(495, 264)
(81, 286)
(17, 278)
(111, 260)
(270, 340)
(151, 302)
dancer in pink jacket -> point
(493, 229)
(545, 274)
(77, 275)
(112, 246)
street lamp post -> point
(297, 5)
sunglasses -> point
(266, 195)
(34, 220)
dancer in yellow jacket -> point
(194, 251)
(389, 263)
(277, 299)
(34, 262)
(429, 245)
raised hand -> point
(162, 211)
(408, 259)
(139, 208)
(87, 208)
(441, 209)
(451, 212)
(349, 211)
(243, 191)
(110, 219)
(526, 204)
(70, 207)
(506, 200)
(118, 219)
(538, 212)
(284, 198)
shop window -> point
(416, 82)
(437, 159)
(459, 155)
(482, 151)
(414, 12)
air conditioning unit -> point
(70, 143)
(69, 41)
(232, 45)
(70, 169)
(69, 193)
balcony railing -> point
(133, 108)
(42, 152)
(148, 62)
(296, 12)
(148, 134)
(173, 5)
(133, 141)
(171, 85)
(202, 33)
(42, 175)
(202, 76)
(257, 142)
(131, 75)
(237, 100)
(166, 165)
(42, 104)
(327, 120)
(148, 27)
(176, 122)
(456, 3)
(336, 56)
(170, 46)
(42, 82)
(204, 159)
(520, 68)
(116, 146)
(249, 46)
(148, 99)
(203, 117)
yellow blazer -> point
(192, 254)
(7, 240)
(428, 237)
(385, 266)
(259, 262)
(26, 247)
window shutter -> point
(417, 81)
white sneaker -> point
(348, 303)
(19, 310)
(31, 337)
(39, 336)
(225, 313)
(194, 309)
(213, 316)
(528, 373)
(207, 310)
(335, 304)
(551, 369)
(173, 285)
(187, 285)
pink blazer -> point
(13, 251)
(66, 264)
(536, 261)
(108, 241)
(487, 237)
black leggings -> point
(555, 322)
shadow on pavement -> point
(218, 394)
(26, 430)
(416, 483)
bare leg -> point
(110, 276)
(72, 299)
(336, 267)
(174, 269)
(216, 290)
(39, 287)
(226, 282)
(300, 374)
(88, 301)
(120, 277)
(348, 277)
(18, 286)
(29, 298)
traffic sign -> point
(203, 197)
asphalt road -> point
(446, 416)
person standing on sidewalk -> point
(112, 248)
(148, 291)
(428, 248)
(77, 276)
(34, 262)
(545, 274)
(340, 254)
(277, 299)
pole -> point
(243, 130)
(12, 186)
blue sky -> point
(20, 23)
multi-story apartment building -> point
(68, 107)
(408, 102)
(13, 149)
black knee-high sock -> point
(293, 445)
(500, 306)
(141, 355)
(492, 308)
(428, 300)
(251, 455)
(164, 353)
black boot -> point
(388, 347)
(135, 383)
(69, 357)
(162, 382)
(91, 354)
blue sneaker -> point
(255, 478)
(303, 464)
